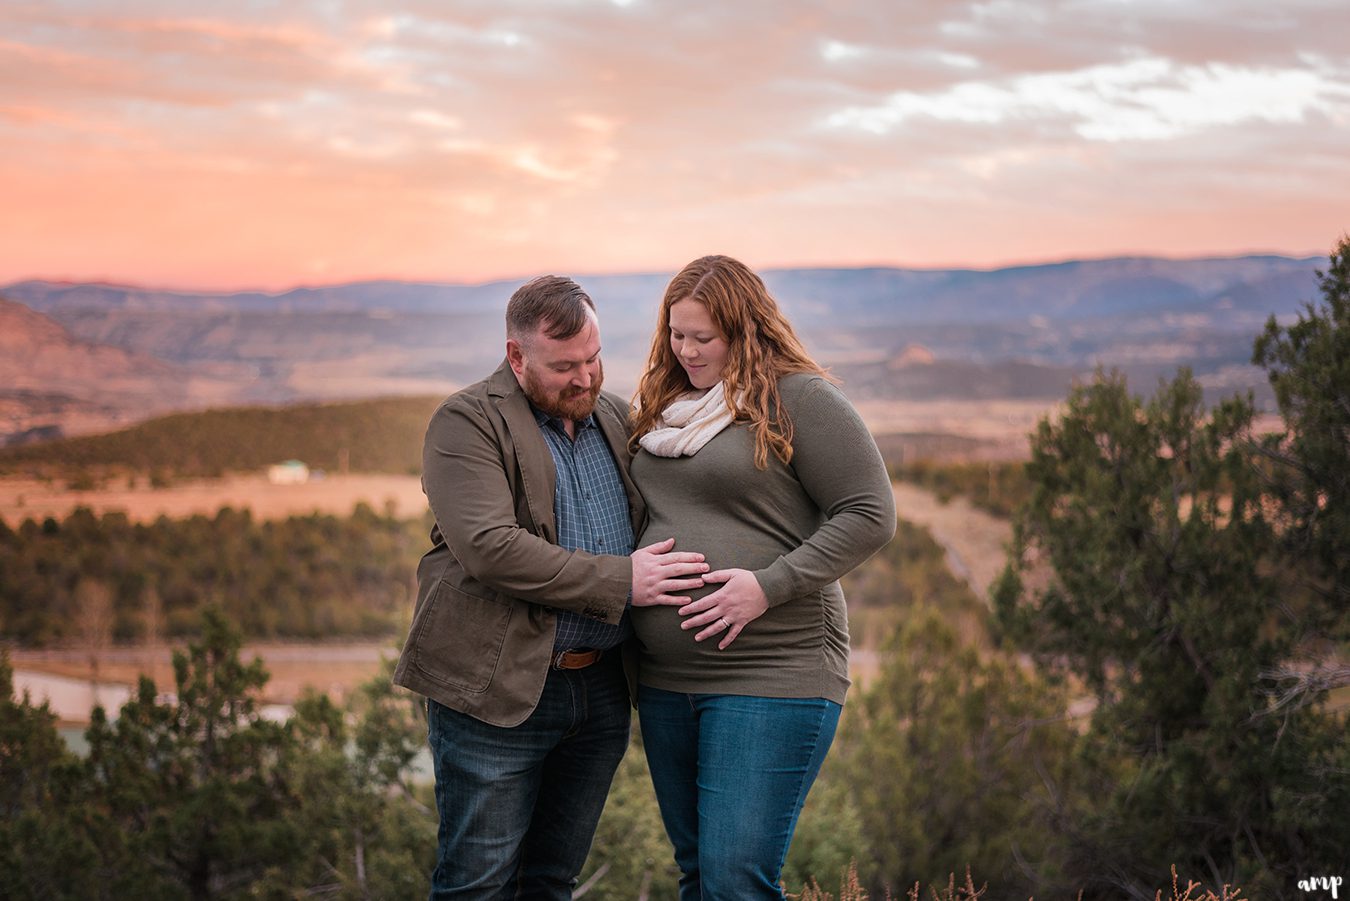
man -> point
(520, 611)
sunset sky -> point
(212, 145)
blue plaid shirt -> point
(591, 508)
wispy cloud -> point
(206, 144)
(1146, 99)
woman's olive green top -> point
(797, 527)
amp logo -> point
(1321, 883)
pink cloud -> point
(211, 145)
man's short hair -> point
(551, 302)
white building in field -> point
(288, 472)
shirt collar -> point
(544, 419)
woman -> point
(746, 452)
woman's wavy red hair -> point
(761, 349)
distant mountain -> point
(1083, 289)
(1018, 332)
(1079, 289)
(955, 380)
(47, 375)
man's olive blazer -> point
(482, 631)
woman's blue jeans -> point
(731, 774)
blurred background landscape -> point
(1064, 257)
(209, 470)
(971, 354)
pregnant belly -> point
(795, 626)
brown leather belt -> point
(575, 659)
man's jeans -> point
(519, 806)
(731, 774)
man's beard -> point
(572, 403)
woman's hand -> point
(727, 610)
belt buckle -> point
(558, 662)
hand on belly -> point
(729, 609)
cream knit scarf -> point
(691, 421)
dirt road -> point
(975, 541)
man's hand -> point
(727, 610)
(657, 572)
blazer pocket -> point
(461, 638)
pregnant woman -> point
(747, 452)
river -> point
(73, 700)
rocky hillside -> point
(52, 382)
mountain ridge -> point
(1018, 332)
(411, 295)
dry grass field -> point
(336, 494)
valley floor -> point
(22, 499)
(974, 542)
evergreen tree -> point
(198, 795)
(1309, 367)
(102, 579)
(188, 795)
(43, 853)
(1165, 600)
(946, 756)
(362, 832)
